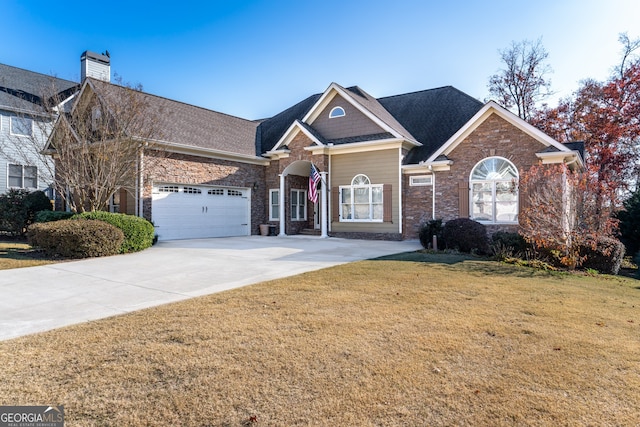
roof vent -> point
(95, 65)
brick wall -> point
(272, 178)
(180, 168)
(416, 207)
(494, 137)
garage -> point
(183, 211)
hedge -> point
(76, 238)
(466, 235)
(138, 232)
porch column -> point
(324, 216)
(281, 206)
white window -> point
(298, 205)
(192, 190)
(494, 191)
(216, 192)
(168, 189)
(274, 205)
(21, 126)
(420, 180)
(114, 203)
(236, 193)
(336, 112)
(20, 176)
(361, 201)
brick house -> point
(386, 165)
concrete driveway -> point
(38, 299)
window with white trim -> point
(420, 180)
(19, 176)
(298, 205)
(361, 201)
(21, 126)
(337, 112)
(236, 193)
(216, 192)
(274, 205)
(494, 191)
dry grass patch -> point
(369, 343)
(18, 255)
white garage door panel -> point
(211, 212)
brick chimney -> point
(95, 65)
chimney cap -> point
(104, 59)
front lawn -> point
(15, 254)
(452, 341)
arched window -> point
(336, 112)
(361, 201)
(494, 191)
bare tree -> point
(523, 82)
(96, 141)
(563, 225)
(97, 147)
(629, 46)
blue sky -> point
(255, 58)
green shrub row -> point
(466, 235)
(48, 216)
(138, 232)
(76, 238)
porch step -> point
(310, 232)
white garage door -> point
(191, 212)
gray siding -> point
(21, 150)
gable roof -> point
(270, 131)
(429, 117)
(190, 126)
(485, 112)
(432, 116)
(372, 106)
(24, 90)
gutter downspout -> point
(281, 201)
(140, 189)
(433, 193)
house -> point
(25, 126)
(386, 165)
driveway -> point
(42, 298)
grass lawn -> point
(451, 341)
(15, 254)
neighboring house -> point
(24, 127)
(387, 165)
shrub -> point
(18, 209)
(630, 223)
(138, 232)
(428, 230)
(511, 242)
(606, 257)
(465, 235)
(48, 216)
(76, 238)
(636, 260)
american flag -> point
(314, 177)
